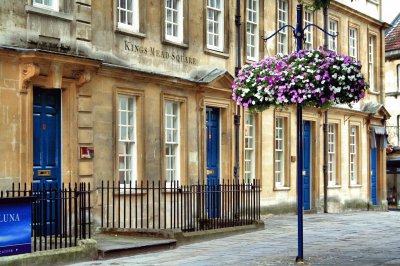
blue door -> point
(213, 146)
(307, 165)
(47, 155)
(373, 176)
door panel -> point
(213, 154)
(373, 177)
(47, 156)
(47, 136)
(307, 165)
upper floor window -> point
(252, 29)
(354, 155)
(333, 28)
(308, 33)
(280, 152)
(215, 24)
(371, 59)
(353, 42)
(128, 14)
(398, 77)
(172, 142)
(283, 39)
(127, 150)
(332, 160)
(249, 147)
(48, 4)
(174, 20)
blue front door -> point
(373, 176)
(213, 153)
(47, 154)
(307, 165)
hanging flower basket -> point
(312, 78)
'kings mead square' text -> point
(151, 51)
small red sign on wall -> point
(87, 152)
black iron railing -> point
(162, 205)
(61, 215)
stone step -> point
(111, 246)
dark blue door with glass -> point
(47, 155)
(307, 165)
(213, 154)
(373, 176)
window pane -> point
(126, 145)
(171, 110)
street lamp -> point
(298, 32)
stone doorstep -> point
(124, 243)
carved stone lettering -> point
(152, 51)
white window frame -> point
(280, 152)
(172, 142)
(129, 127)
(176, 11)
(309, 32)
(353, 43)
(371, 59)
(219, 21)
(332, 159)
(333, 28)
(398, 77)
(53, 6)
(133, 12)
(283, 36)
(353, 146)
(249, 147)
(252, 29)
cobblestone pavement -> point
(357, 238)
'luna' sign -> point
(15, 226)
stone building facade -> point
(392, 80)
(138, 90)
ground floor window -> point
(332, 135)
(280, 140)
(127, 150)
(249, 147)
(172, 141)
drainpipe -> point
(236, 168)
(325, 127)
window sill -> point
(374, 92)
(216, 53)
(131, 33)
(334, 186)
(176, 44)
(355, 186)
(49, 13)
(281, 188)
(250, 61)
